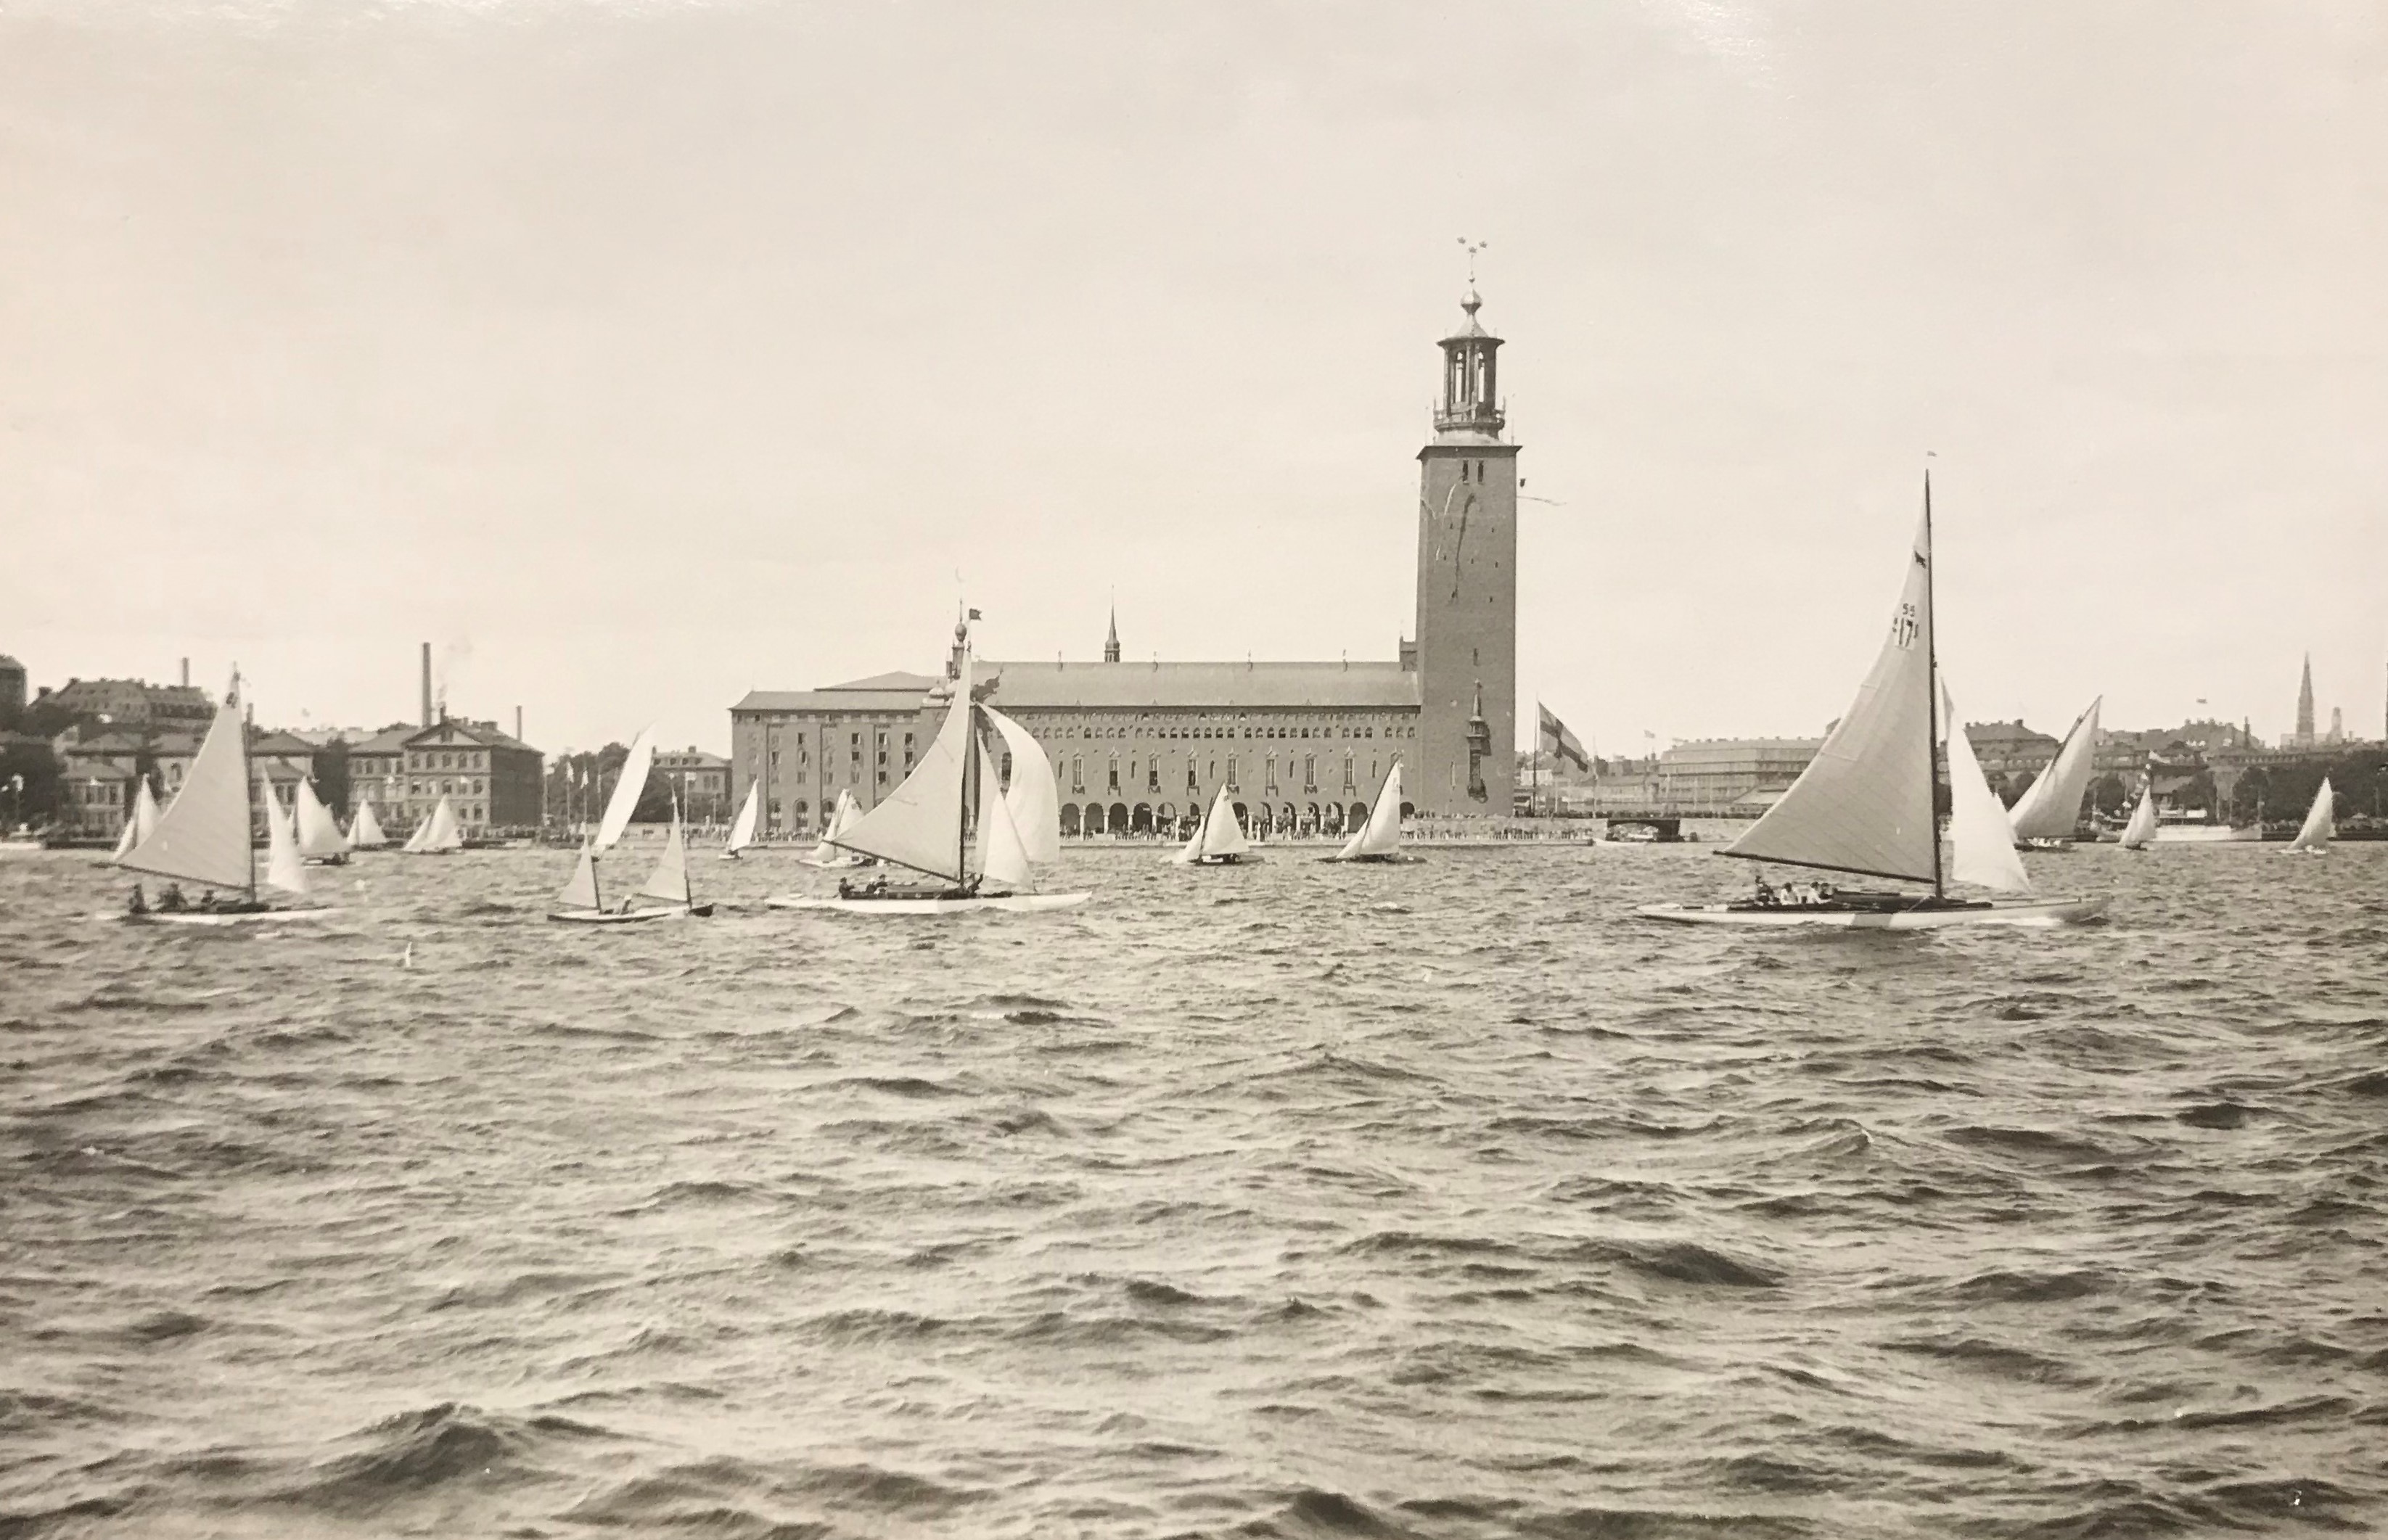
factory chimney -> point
(517, 723)
(426, 683)
(186, 674)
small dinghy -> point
(364, 829)
(2046, 816)
(2141, 832)
(321, 844)
(2315, 834)
(1380, 838)
(1864, 805)
(975, 843)
(742, 832)
(1218, 840)
(665, 895)
(438, 834)
(203, 837)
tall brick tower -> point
(1467, 589)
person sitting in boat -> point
(1766, 894)
(172, 901)
(139, 905)
(208, 902)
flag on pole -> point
(1561, 742)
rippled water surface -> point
(1437, 1200)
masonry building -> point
(1300, 747)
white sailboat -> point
(203, 837)
(438, 834)
(140, 826)
(742, 831)
(582, 903)
(2046, 815)
(1864, 805)
(952, 822)
(320, 839)
(2141, 832)
(1380, 838)
(2320, 825)
(1219, 839)
(842, 817)
(364, 829)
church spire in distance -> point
(2305, 707)
(1110, 643)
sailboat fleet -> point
(666, 894)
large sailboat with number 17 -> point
(1865, 805)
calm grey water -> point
(1437, 1200)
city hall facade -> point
(1299, 747)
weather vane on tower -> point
(1472, 248)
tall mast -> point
(1932, 681)
(248, 783)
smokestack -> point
(517, 723)
(426, 683)
(186, 674)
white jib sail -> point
(1864, 802)
(1002, 854)
(2141, 829)
(203, 836)
(284, 868)
(1034, 800)
(440, 832)
(1981, 840)
(628, 791)
(1191, 850)
(139, 823)
(1382, 835)
(742, 833)
(2051, 808)
(319, 833)
(2319, 823)
(1221, 835)
(668, 881)
(920, 823)
(126, 840)
(837, 822)
(364, 829)
(581, 892)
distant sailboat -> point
(842, 817)
(203, 836)
(320, 839)
(1864, 805)
(952, 822)
(2046, 815)
(2140, 831)
(580, 901)
(364, 829)
(1219, 839)
(1380, 838)
(139, 827)
(742, 832)
(2313, 836)
(438, 834)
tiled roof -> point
(894, 682)
(1201, 687)
(484, 734)
(839, 700)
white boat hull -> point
(2024, 912)
(2203, 834)
(205, 917)
(1011, 904)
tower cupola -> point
(1471, 400)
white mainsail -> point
(742, 832)
(1191, 850)
(439, 832)
(318, 834)
(1382, 835)
(841, 819)
(364, 830)
(1034, 799)
(1002, 854)
(283, 867)
(2051, 808)
(920, 823)
(203, 837)
(1222, 836)
(1981, 840)
(2320, 822)
(668, 881)
(1864, 802)
(2141, 830)
(627, 789)
(581, 892)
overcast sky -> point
(636, 354)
